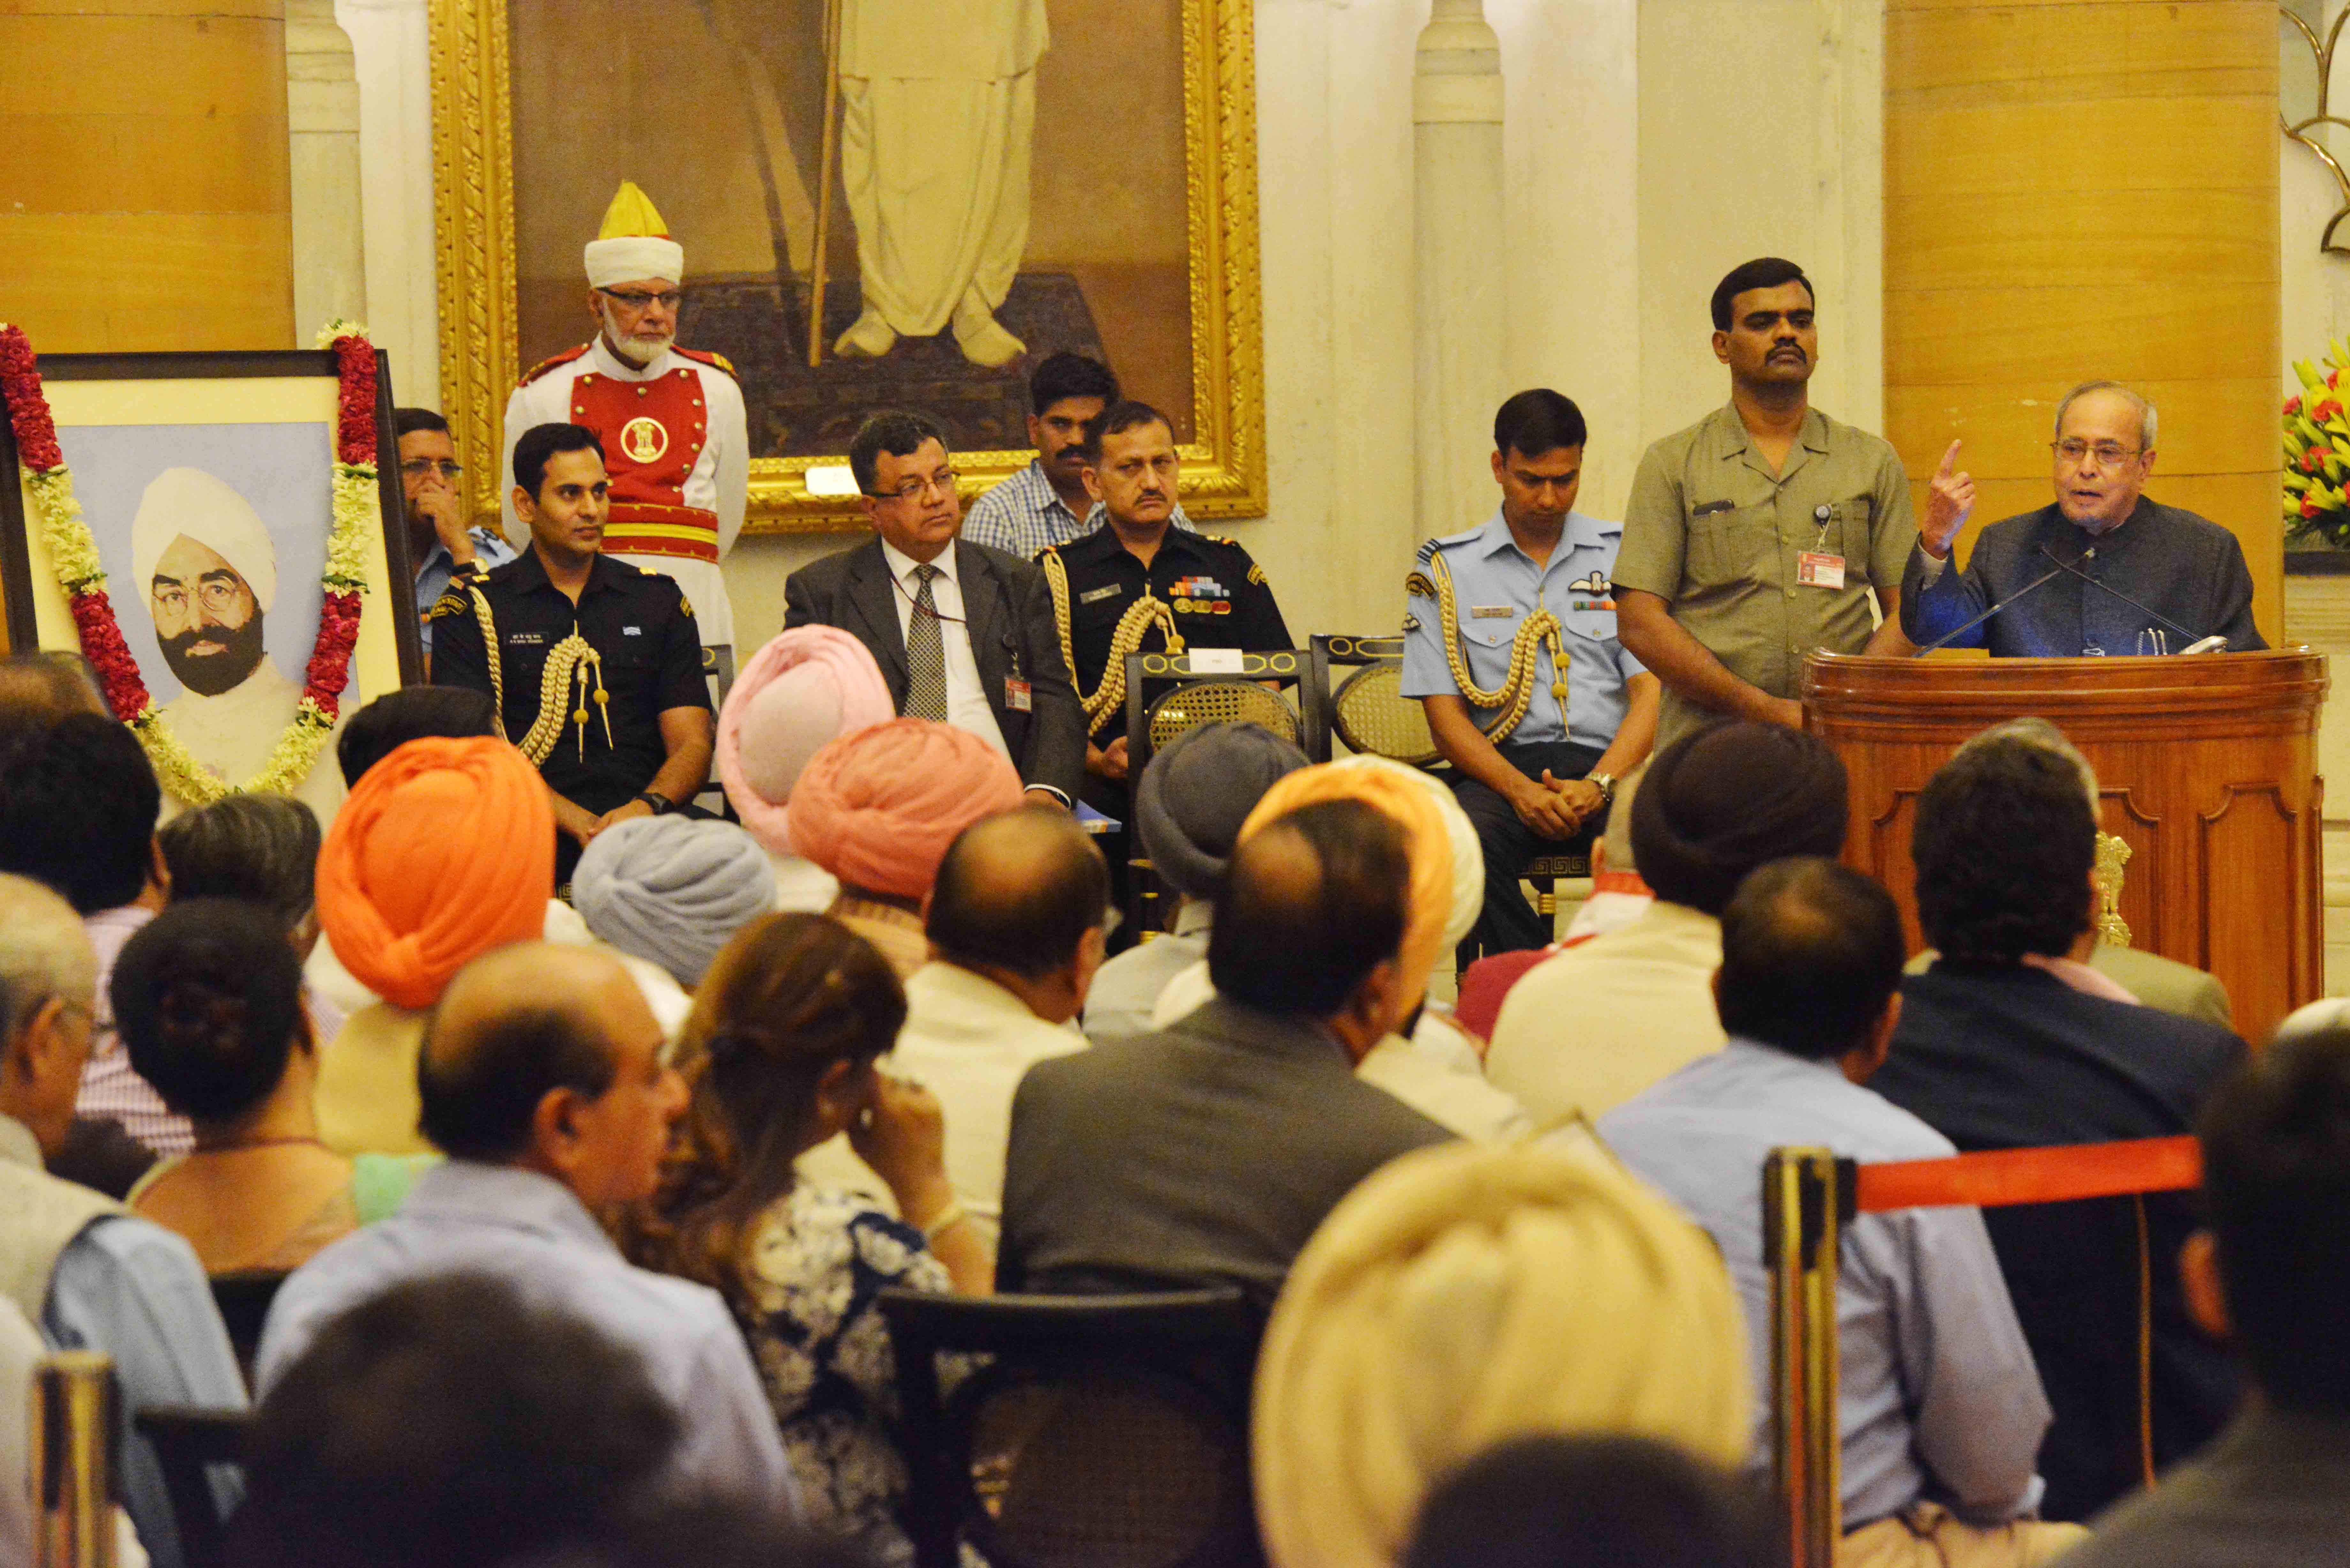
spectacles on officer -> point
(638, 301)
(943, 481)
(447, 468)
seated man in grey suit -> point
(1211, 1150)
(963, 634)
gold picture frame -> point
(1224, 467)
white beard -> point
(633, 351)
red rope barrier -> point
(2057, 1174)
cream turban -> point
(1427, 907)
(633, 246)
(208, 509)
(805, 688)
(444, 850)
(1472, 1292)
(1468, 857)
(879, 807)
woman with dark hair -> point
(208, 998)
(779, 1052)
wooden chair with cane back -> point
(1168, 693)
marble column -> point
(322, 102)
(392, 62)
(1458, 325)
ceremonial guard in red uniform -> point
(670, 419)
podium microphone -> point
(1965, 626)
(2215, 643)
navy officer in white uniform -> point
(1510, 645)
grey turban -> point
(1715, 804)
(1195, 795)
(672, 889)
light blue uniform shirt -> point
(1939, 1396)
(531, 1234)
(1496, 585)
(432, 576)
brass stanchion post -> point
(73, 1459)
(1806, 1198)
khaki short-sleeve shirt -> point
(1714, 533)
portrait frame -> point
(1224, 468)
(184, 390)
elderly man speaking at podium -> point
(2103, 570)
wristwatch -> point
(1606, 783)
(662, 805)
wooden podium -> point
(2208, 767)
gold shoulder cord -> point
(572, 656)
(1516, 692)
(1138, 619)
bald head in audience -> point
(1311, 920)
(545, 1057)
(48, 986)
(36, 690)
(1021, 898)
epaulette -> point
(1224, 539)
(703, 356)
(544, 366)
(1445, 542)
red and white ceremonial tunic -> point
(678, 452)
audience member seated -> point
(433, 861)
(87, 1273)
(2272, 1276)
(1619, 895)
(1590, 1028)
(672, 890)
(208, 998)
(77, 806)
(542, 1081)
(1594, 1502)
(1939, 1408)
(2124, 974)
(263, 849)
(37, 688)
(878, 807)
(1210, 1149)
(1188, 810)
(780, 1053)
(1996, 1052)
(1471, 1293)
(459, 1421)
(808, 688)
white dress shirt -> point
(967, 707)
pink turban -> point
(877, 808)
(806, 688)
(444, 850)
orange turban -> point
(878, 807)
(444, 850)
(1428, 843)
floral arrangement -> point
(73, 553)
(2317, 452)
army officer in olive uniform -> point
(1204, 586)
(1761, 532)
(625, 729)
(1510, 644)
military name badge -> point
(1491, 612)
(1093, 594)
(1816, 569)
(643, 440)
(1016, 696)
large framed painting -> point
(951, 192)
(234, 503)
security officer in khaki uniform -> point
(1759, 532)
(595, 664)
(1123, 587)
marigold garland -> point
(73, 553)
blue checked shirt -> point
(432, 576)
(1025, 514)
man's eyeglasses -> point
(640, 300)
(216, 596)
(943, 481)
(448, 469)
(2108, 453)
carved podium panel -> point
(2208, 767)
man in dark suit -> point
(1208, 1152)
(963, 634)
(2011, 1041)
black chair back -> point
(190, 1442)
(243, 1301)
(1102, 1431)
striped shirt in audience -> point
(111, 1091)
(1025, 514)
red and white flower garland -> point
(73, 553)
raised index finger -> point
(1949, 460)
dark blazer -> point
(1206, 1152)
(1010, 611)
(2006, 1056)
